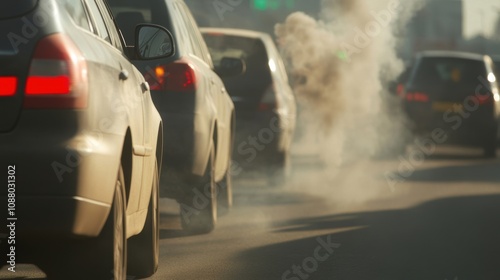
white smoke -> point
(341, 66)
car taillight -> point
(269, 101)
(484, 99)
(417, 97)
(178, 76)
(400, 89)
(8, 86)
(57, 76)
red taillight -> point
(484, 100)
(57, 77)
(417, 97)
(269, 100)
(178, 76)
(8, 86)
(400, 89)
(43, 85)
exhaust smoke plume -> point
(341, 66)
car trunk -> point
(15, 54)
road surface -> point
(347, 222)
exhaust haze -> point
(341, 67)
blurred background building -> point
(468, 25)
(261, 15)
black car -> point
(457, 93)
(81, 138)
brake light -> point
(8, 86)
(417, 97)
(484, 100)
(178, 76)
(57, 76)
(269, 100)
(400, 89)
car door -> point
(126, 97)
(220, 97)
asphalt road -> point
(441, 221)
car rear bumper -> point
(64, 178)
(465, 127)
(60, 217)
(186, 149)
(258, 137)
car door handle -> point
(145, 87)
(124, 75)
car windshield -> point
(17, 8)
(130, 13)
(445, 72)
(257, 76)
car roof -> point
(452, 54)
(237, 32)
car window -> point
(198, 43)
(443, 72)
(113, 31)
(98, 21)
(257, 76)
(189, 30)
(77, 12)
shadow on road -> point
(485, 172)
(442, 239)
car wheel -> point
(225, 190)
(144, 248)
(199, 209)
(112, 243)
(103, 257)
(280, 169)
(490, 145)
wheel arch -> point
(126, 162)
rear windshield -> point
(129, 13)
(17, 8)
(447, 72)
(257, 76)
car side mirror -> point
(153, 42)
(230, 66)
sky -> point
(480, 17)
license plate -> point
(447, 106)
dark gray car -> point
(454, 94)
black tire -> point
(144, 248)
(103, 257)
(490, 141)
(280, 169)
(490, 149)
(111, 245)
(196, 218)
(225, 190)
